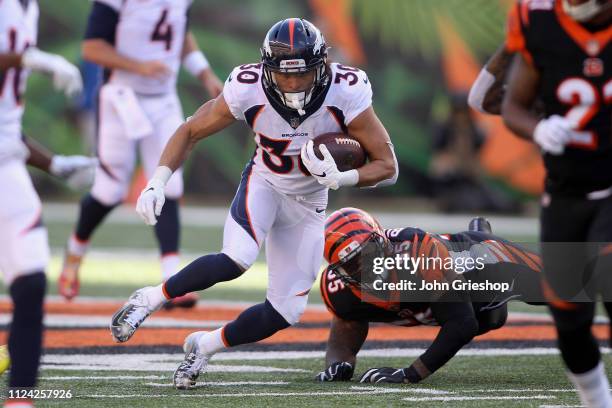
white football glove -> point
(66, 76)
(151, 201)
(325, 170)
(553, 133)
(77, 171)
(152, 198)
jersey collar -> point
(291, 116)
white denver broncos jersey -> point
(18, 30)
(150, 30)
(280, 133)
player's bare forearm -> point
(345, 340)
(178, 148)
(9, 60)
(210, 118)
(523, 82)
(40, 157)
(498, 66)
(104, 54)
(499, 63)
(373, 136)
(189, 44)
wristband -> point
(349, 178)
(163, 174)
(479, 90)
(195, 62)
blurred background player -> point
(564, 59)
(24, 250)
(141, 45)
(353, 238)
(456, 173)
(289, 98)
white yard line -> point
(415, 390)
(239, 305)
(385, 352)
(221, 384)
(93, 322)
(485, 398)
(59, 320)
(377, 391)
(104, 377)
(522, 390)
(562, 406)
(143, 362)
(168, 361)
(202, 303)
(325, 393)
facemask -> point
(582, 12)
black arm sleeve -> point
(458, 327)
(102, 23)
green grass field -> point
(124, 259)
(520, 381)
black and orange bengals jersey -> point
(346, 302)
(349, 303)
(574, 63)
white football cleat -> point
(131, 315)
(194, 363)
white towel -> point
(133, 118)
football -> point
(346, 151)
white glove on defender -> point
(553, 133)
(77, 171)
(152, 198)
(326, 171)
(66, 76)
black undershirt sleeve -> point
(458, 327)
(102, 23)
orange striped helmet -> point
(348, 231)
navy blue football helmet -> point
(294, 45)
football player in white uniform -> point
(24, 250)
(141, 45)
(289, 98)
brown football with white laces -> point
(346, 151)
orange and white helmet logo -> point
(346, 230)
